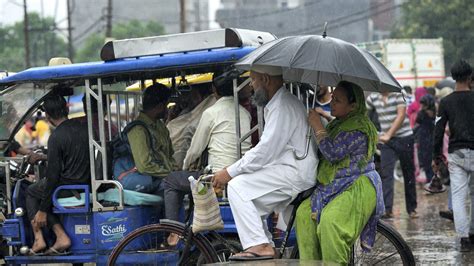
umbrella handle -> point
(308, 134)
(308, 140)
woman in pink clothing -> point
(413, 109)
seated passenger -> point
(215, 132)
(68, 164)
(348, 200)
(152, 161)
(185, 116)
(268, 177)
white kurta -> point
(268, 177)
(285, 131)
(216, 131)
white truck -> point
(413, 62)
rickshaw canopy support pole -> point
(93, 145)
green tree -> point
(44, 43)
(133, 29)
(451, 20)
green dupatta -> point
(357, 120)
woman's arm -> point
(343, 144)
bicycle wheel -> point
(223, 250)
(389, 249)
(144, 246)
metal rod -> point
(117, 107)
(127, 110)
(103, 150)
(109, 116)
(298, 91)
(237, 119)
(135, 106)
(248, 134)
(8, 187)
(260, 121)
(90, 130)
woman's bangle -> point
(320, 135)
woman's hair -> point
(429, 101)
(349, 89)
(55, 106)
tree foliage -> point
(451, 20)
(132, 29)
(44, 43)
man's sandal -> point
(254, 256)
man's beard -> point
(260, 97)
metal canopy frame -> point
(100, 147)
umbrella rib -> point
(297, 50)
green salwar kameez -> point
(343, 218)
(342, 221)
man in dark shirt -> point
(68, 164)
(457, 110)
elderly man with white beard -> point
(268, 177)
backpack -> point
(121, 146)
(123, 163)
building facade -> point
(90, 16)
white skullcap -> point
(444, 92)
(269, 70)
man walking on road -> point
(457, 110)
(397, 143)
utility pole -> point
(198, 15)
(69, 32)
(27, 35)
(108, 32)
(182, 16)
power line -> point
(338, 23)
(345, 17)
(15, 3)
(250, 16)
(266, 13)
(91, 27)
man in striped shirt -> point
(397, 143)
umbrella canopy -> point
(322, 60)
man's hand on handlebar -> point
(221, 178)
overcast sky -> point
(11, 11)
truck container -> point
(413, 62)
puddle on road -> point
(431, 238)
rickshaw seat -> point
(131, 198)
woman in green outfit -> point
(347, 201)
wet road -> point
(431, 238)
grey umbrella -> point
(324, 60)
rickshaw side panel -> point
(99, 232)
